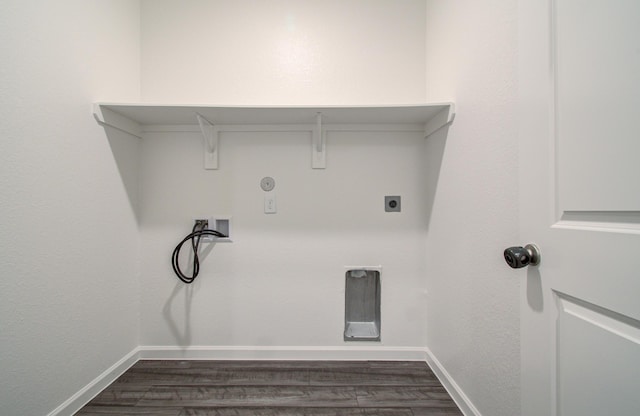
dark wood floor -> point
(274, 388)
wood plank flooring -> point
(274, 388)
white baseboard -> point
(456, 393)
(91, 390)
(282, 353)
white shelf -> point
(135, 119)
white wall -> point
(70, 247)
(281, 282)
(283, 51)
(70, 308)
(473, 312)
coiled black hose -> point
(197, 232)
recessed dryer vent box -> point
(362, 305)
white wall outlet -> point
(270, 204)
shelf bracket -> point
(108, 118)
(441, 120)
(211, 138)
(318, 145)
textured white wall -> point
(281, 282)
(283, 51)
(70, 307)
(473, 312)
(70, 248)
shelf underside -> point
(157, 114)
(134, 119)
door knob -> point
(518, 257)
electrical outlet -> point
(392, 203)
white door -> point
(579, 88)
